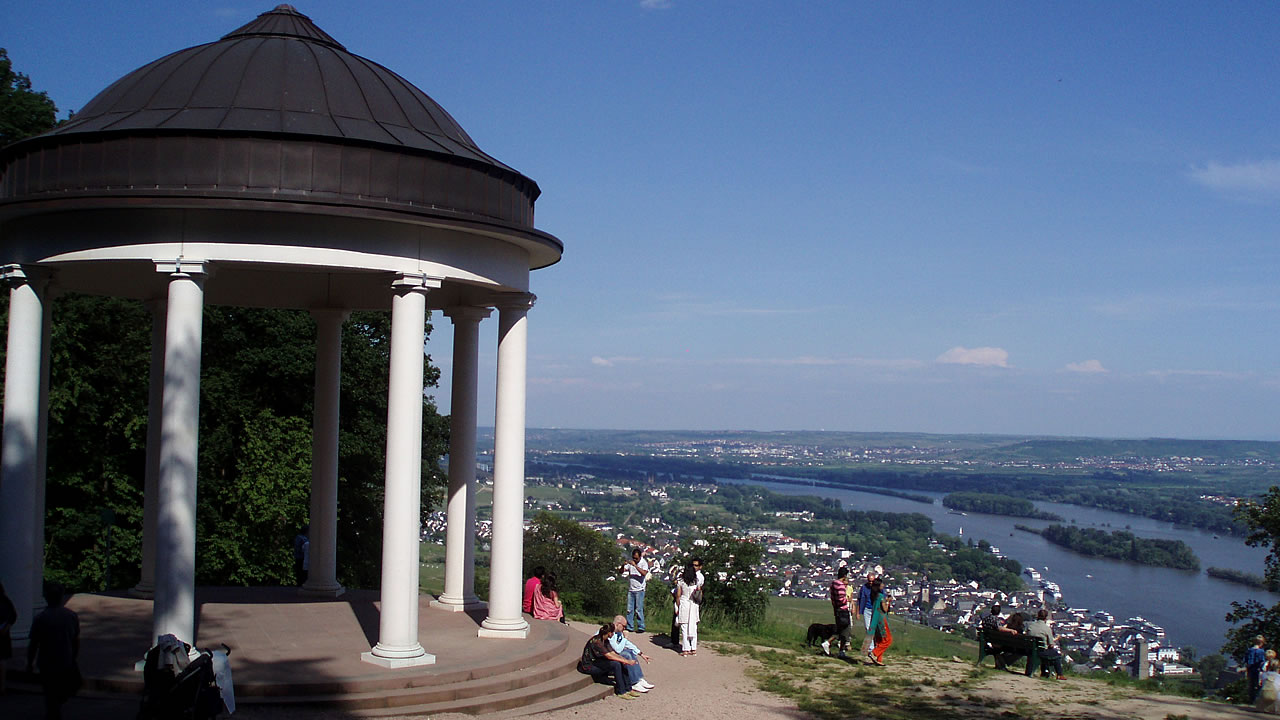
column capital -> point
(466, 313)
(513, 300)
(14, 275)
(196, 269)
(420, 282)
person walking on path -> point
(628, 650)
(637, 573)
(1254, 660)
(880, 624)
(54, 648)
(865, 595)
(839, 592)
(688, 600)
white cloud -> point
(655, 4)
(985, 356)
(613, 361)
(811, 360)
(1088, 366)
(1251, 178)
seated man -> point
(599, 660)
(1051, 656)
(628, 650)
(993, 626)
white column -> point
(18, 474)
(42, 455)
(507, 547)
(146, 587)
(398, 644)
(175, 570)
(322, 576)
(459, 565)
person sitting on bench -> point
(1050, 656)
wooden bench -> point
(1000, 643)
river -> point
(1190, 606)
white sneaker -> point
(640, 688)
(645, 684)
(826, 647)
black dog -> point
(819, 632)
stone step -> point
(589, 694)
(567, 689)
(511, 680)
(550, 648)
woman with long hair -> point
(687, 611)
(546, 600)
(879, 623)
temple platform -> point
(294, 651)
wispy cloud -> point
(1250, 179)
(984, 356)
(655, 4)
(1211, 374)
(1088, 366)
(819, 361)
(599, 361)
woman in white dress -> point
(687, 611)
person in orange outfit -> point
(880, 623)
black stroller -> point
(178, 686)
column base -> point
(146, 591)
(425, 658)
(517, 629)
(322, 591)
(449, 604)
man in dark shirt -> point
(598, 659)
(839, 593)
(53, 647)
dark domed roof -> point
(279, 74)
(276, 116)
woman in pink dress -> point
(546, 601)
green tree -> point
(23, 111)
(581, 559)
(734, 593)
(257, 381)
(1210, 668)
(1252, 618)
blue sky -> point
(1001, 217)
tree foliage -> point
(23, 111)
(581, 558)
(254, 474)
(734, 593)
(1252, 618)
(1122, 545)
(994, 504)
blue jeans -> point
(635, 610)
(634, 673)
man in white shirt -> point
(637, 573)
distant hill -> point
(990, 448)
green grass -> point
(788, 619)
